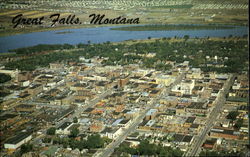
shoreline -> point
(172, 39)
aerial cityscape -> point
(161, 78)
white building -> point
(185, 87)
(111, 133)
(18, 140)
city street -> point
(219, 102)
(115, 143)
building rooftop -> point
(182, 138)
(35, 86)
(190, 119)
(7, 116)
(177, 120)
(151, 111)
(197, 105)
(64, 125)
(25, 106)
(210, 141)
(89, 109)
(194, 126)
(187, 139)
(116, 122)
(19, 137)
(109, 130)
(124, 121)
(150, 123)
(225, 131)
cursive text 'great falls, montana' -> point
(101, 19)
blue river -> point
(104, 34)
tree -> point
(220, 153)
(75, 120)
(4, 78)
(106, 140)
(25, 148)
(46, 140)
(238, 123)
(232, 115)
(95, 141)
(51, 131)
(146, 148)
(186, 37)
(74, 132)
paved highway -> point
(219, 102)
(115, 143)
